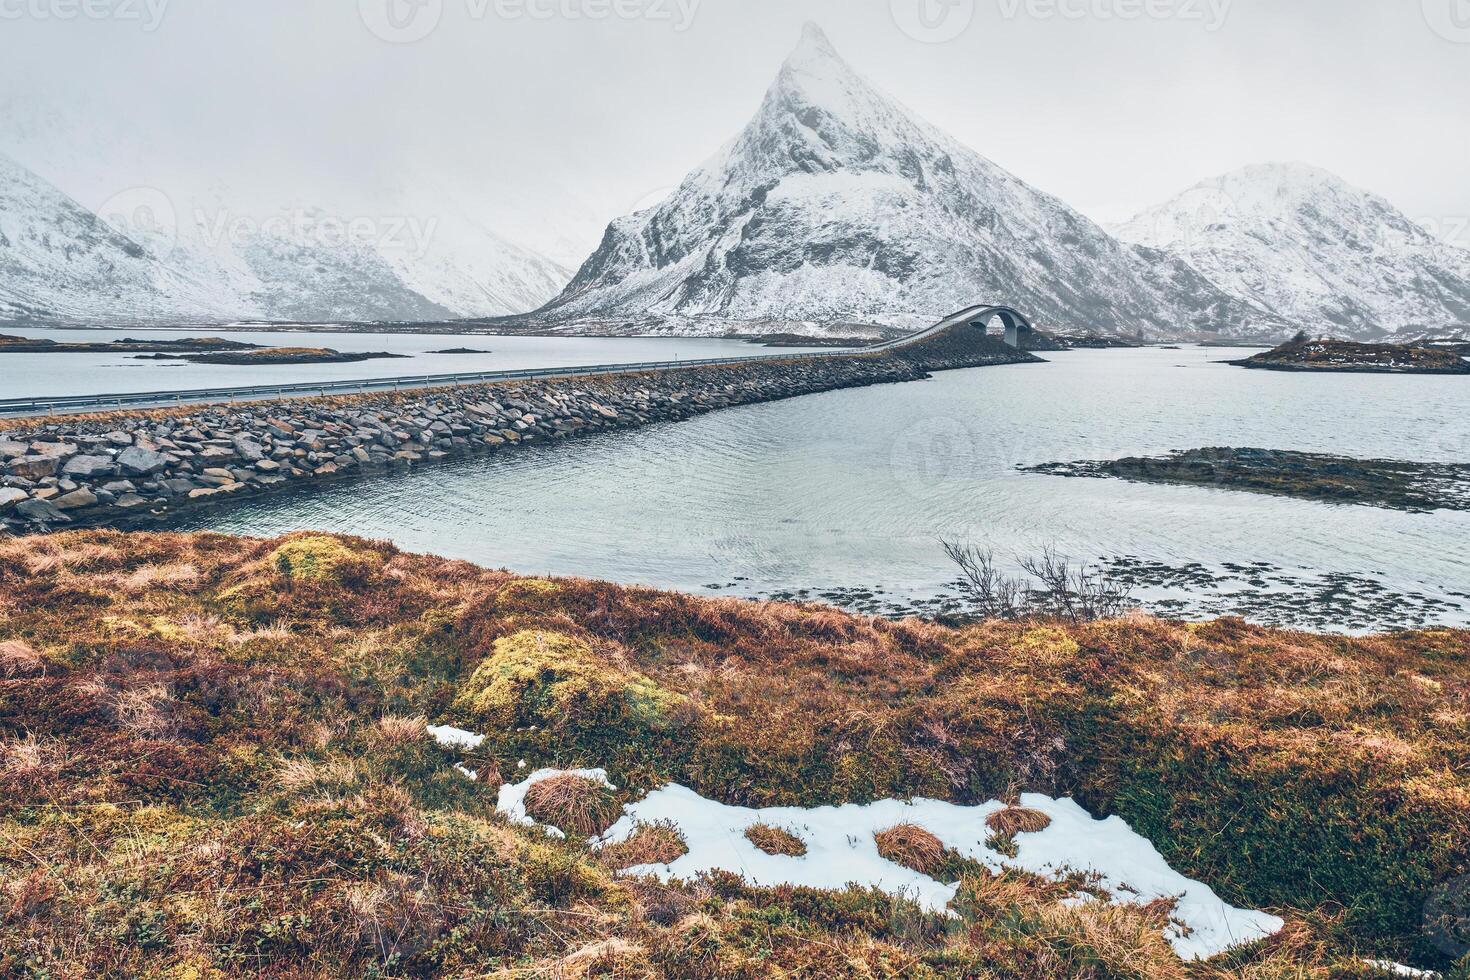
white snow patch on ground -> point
(456, 738)
(1399, 970)
(841, 851)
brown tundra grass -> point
(208, 770)
(650, 843)
(1017, 820)
(574, 804)
(775, 840)
(912, 847)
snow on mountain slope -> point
(836, 203)
(59, 259)
(1324, 255)
(457, 262)
(161, 260)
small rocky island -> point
(10, 344)
(1305, 354)
(1392, 484)
(276, 355)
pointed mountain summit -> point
(836, 203)
(1323, 254)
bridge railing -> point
(64, 404)
(59, 404)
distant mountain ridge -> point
(60, 262)
(1326, 256)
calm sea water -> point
(24, 375)
(847, 495)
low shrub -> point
(313, 558)
(546, 678)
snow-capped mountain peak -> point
(835, 202)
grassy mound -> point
(212, 765)
(775, 840)
(911, 846)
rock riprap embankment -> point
(138, 467)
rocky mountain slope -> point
(836, 203)
(60, 261)
(1324, 255)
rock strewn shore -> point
(1349, 357)
(139, 467)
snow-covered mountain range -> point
(835, 211)
(836, 203)
(150, 260)
(1325, 256)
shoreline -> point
(135, 467)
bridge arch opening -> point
(1002, 324)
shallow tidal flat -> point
(1394, 484)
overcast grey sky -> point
(557, 115)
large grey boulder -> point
(137, 461)
(40, 512)
(249, 450)
(33, 467)
(9, 497)
(89, 467)
(76, 500)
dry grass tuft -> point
(601, 958)
(146, 711)
(1017, 820)
(29, 756)
(177, 575)
(395, 730)
(912, 847)
(650, 843)
(573, 804)
(19, 659)
(775, 840)
(295, 775)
